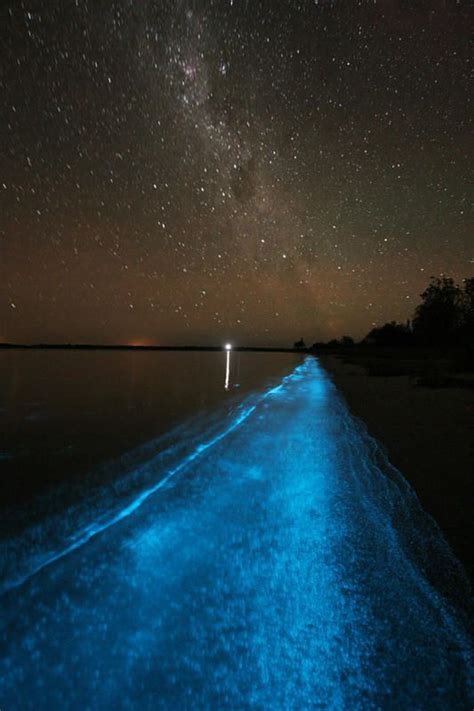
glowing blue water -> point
(281, 563)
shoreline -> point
(428, 436)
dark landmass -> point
(418, 403)
(442, 366)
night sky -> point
(253, 170)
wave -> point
(136, 476)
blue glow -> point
(281, 563)
(109, 515)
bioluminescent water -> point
(270, 558)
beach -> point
(428, 435)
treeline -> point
(445, 317)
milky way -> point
(187, 172)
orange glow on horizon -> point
(141, 342)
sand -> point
(429, 436)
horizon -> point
(462, 291)
(148, 346)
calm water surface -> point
(63, 415)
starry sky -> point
(184, 171)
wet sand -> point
(429, 436)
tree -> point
(439, 316)
(390, 334)
(467, 317)
(300, 344)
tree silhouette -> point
(439, 316)
(391, 334)
(300, 344)
(467, 318)
(347, 341)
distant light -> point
(228, 346)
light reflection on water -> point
(65, 414)
(227, 369)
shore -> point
(428, 434)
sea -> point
(214, 530)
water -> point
(65, 414)
(272, 559)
